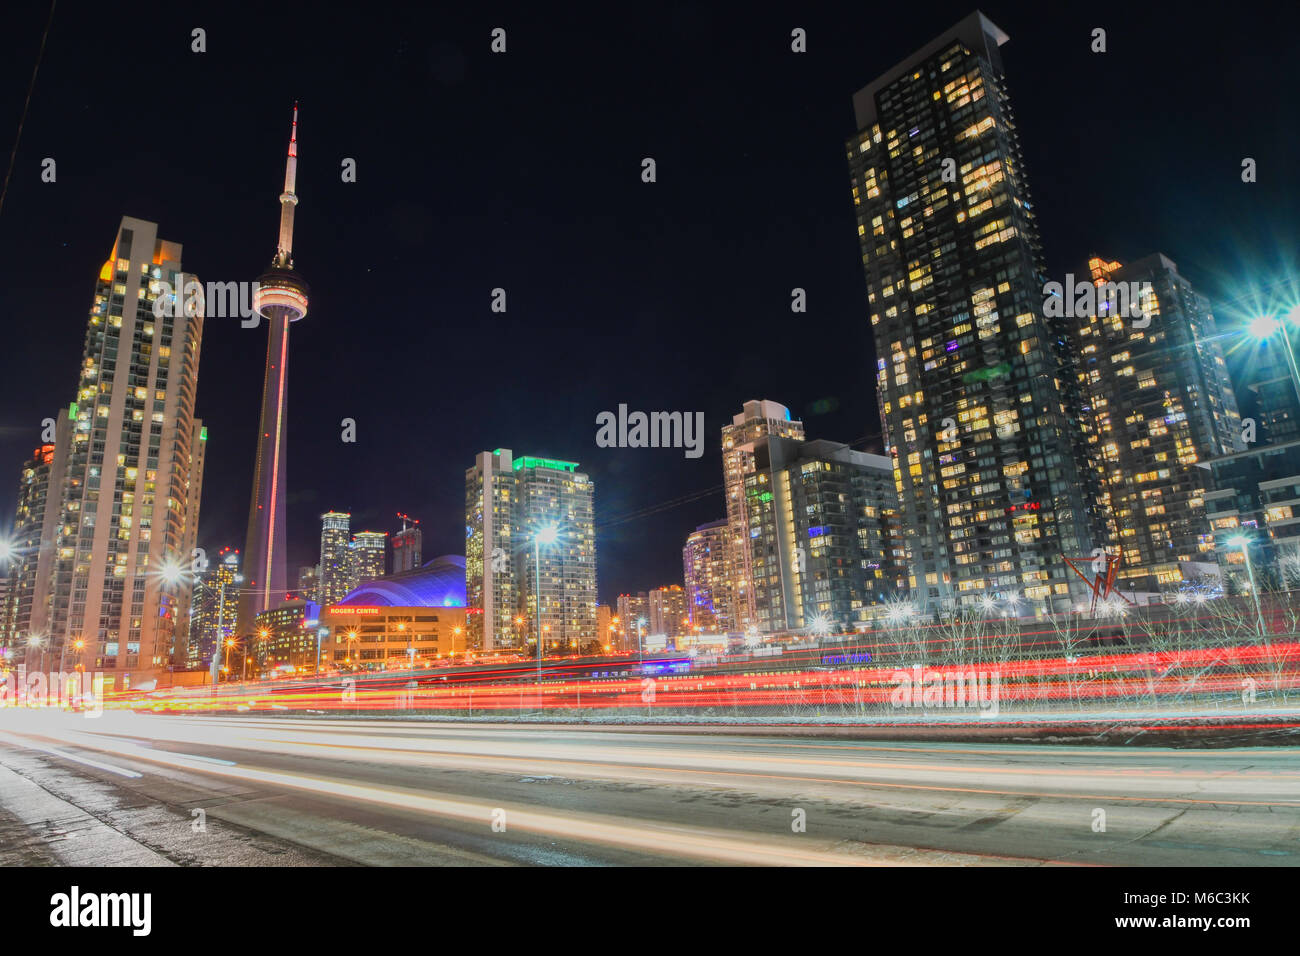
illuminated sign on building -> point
(336, 609)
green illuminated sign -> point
(530, 462)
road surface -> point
(143, 789)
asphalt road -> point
(169, 790)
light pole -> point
(454, 632)
(37, 641)
(63, 651)
(410, 651)
(545, 535)
(640, 629)
(1243, 541)
(1265, 326)
(265, 635)
(230, 642)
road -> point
(144, 789)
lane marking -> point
(121, 771)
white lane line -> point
(94, 739)
(121, 771)
(647, 836)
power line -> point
(13, 156)
(660, 507)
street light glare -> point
(1263, 327)
(548, 534)
(1239, 541)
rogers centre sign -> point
(352, 610)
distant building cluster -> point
(345, 560)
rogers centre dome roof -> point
(438, 583)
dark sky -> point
(522, 171)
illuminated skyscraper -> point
(632, 608)
(281, 299)
(508, 501)
(704, 569)
(758, 420)
(1161, 403)
(336, 572)
(980, 389)
(823, 527)
(31, 545)
(369, 554)
(668, 614)
(554, 493)
(114, 556)
(215, 606)
(491, 560)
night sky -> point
(522, 171)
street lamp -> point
(899, 613)
(410, 651)
(263, 633)
(454, 632)
(1264, 327)
(320, 636)
(1243, 541)
(63, 650)
(640, 627)
(230, 642)
(35, 640)
(547, 534)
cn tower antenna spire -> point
(288, 199)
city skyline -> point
(836, 398)
(756, 437)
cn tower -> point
(281, 299)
